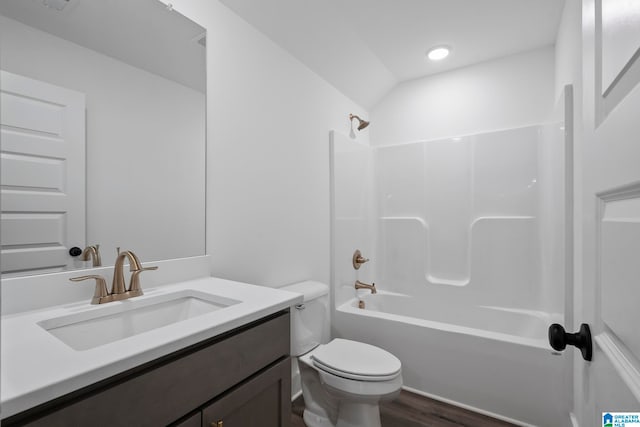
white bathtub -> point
(490, 359)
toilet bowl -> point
(343, 380)
(349, 379)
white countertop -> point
(37, 367)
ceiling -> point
(365, 47)
(142, 33)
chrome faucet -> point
(118, 290)
(361, 285)
(92, 252)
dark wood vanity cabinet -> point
(241, 378)
(258, 402)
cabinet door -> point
(263, 401)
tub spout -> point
(361, 285)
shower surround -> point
(466, 240)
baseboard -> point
(468, 407)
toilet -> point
(342, 381)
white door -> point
(608, 273)
(43, 174)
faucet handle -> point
(101, 287)
(134, 283)
(357, 259)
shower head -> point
(361, 123)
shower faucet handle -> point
(358, 259)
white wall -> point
(568, 52)
(509, 92)
(268, 119)
(145, 167)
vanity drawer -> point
(174, 386)
(264, 401)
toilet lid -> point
(356, 360)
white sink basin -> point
(118, 320)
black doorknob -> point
(75, 251)
(559, 338)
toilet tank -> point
(309, 320)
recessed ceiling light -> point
(438, 53)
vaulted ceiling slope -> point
(148, 35)
(365, 47)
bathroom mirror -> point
(103, 132)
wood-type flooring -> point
(412, 410)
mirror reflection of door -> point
(141, 68)
(43, 169)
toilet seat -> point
(351, 376)
(370, 387)
(356, 361)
